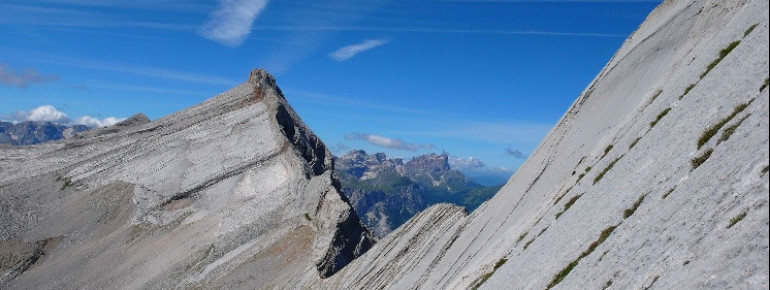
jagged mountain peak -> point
(188, 200)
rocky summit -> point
(655, 178)
(233, 193)
(387, 192)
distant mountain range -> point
(30, 133)
(387, 192)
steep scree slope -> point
(656, 177)
(233, 193)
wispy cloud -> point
(333, 100)
(443, 30)
(231, 23)
(72, 16)
(346, 52)
(24, 78)
(387, 142)
(493, 132)
(516, 153)
(147, 71)
(48, 113)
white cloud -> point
(94, 122)
(516, 153)
(22, 79)
(465, 163)
(48, 113)
(387, 142)
(231, 24)
(349, 51)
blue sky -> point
(481, 80)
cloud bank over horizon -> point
(48, 113)
(387, 142)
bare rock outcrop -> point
(655, 178)
(235, 192)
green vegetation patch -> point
(722, 54)
(500, 263)
(652, 283)
(67, 182)
(727, 132)
(764, 85)
(711, 131)
(660, 116)
(609, 166)
(529, 242)
(565, 192)
(486, 276)
(736, 219)
(569, 204)
(521, 237)
(564, 272)
(697, 161)
(687, 90)
(749, 30)
(483, 279)
(607, 285)
(655, 96)
(633, 143)
(668, 192)
(630, 211)
(606, 150)
(764, 170)
(307, 217)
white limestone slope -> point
(235, 192)
(667, 223)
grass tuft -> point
(711, 131)
(668, 192)
(606, 150)
(764, 85)
(652, 283)
(736, 219)
(697, 161)
(660, 116)
(607, 285)
(528, 243)
(500, 263)
(630, 211)
(609, 166)
(655, 96)
(633, 143)
(521, 237)
(727, 132)
(564, 272)
(307, 217)
(568, 204)
(67, 182)
(722, 54)
(749, 30)
(486, 276)
(687, 90)
(764, 170)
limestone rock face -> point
(233, 193)
(657, 176)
